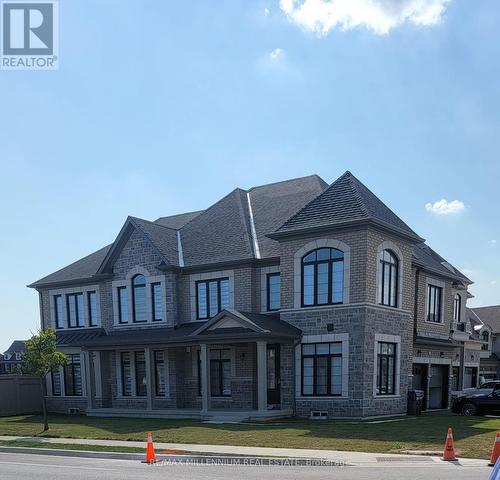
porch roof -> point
(249, 327)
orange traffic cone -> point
(449, 448)
(495, 452)
(150, 450)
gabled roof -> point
(490, 316)
(426, 257)
(162, 239)
(17, 346)
(345, 201)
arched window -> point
(388, 279)
(323, 277)
(457, 307)
(139, 299)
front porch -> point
(228, 369)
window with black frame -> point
(56, 382)
(386, 368)
(139, 306)
(323, 277)
(457, 307)
(160, 373)
(220, 372)
(212, 296)
(388, 279)
(75, 310)
(92, 304)
(126, 372)
(122, 305)
(273, 291)
(434, 298)
(58, 311)
(73, 376)
(140, 374)
(322, 369)
(156, 302)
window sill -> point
(435, 323)
(387, 396)
(321, 397)
(140, 324)
(83, 397)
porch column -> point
(204, 378)
(262, 376)
(89, 377)
(149, 378)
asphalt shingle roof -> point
(428, 258)
(490, 316)
(223, 232)
(274, 203)
(345, 200)
(177, 221)
(162, 237)
(17, 346)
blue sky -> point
(162, 107)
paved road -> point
(41, 467)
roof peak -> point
(346, 201)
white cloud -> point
(266, 12)
(276, 55)
(379, 16)
(493, 243)
(443, 207)
(493, 282)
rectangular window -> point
(56, 382)
(212, 296)
(122, 305)
(75, 310)
(126, 369)
(156, 302)
(273, 291)
(160, 374)
(92, 301)
(73, 376)
(140, 374)
(322, 369)
(434, 296)
(220, 373)
(58, 310)
(386, 368)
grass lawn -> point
(474, 436)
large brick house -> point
(294, 298)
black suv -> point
(477, 403)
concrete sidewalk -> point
(349, 458)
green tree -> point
(39, 359)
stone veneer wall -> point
(361, 324)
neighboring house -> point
(2, 366)
(490, 335)
(293, 298)
(11, 361)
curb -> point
(219, 460)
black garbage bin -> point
(415, 402)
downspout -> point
(415, 305)
(40, 306)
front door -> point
(273, 375)
(438, 386)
